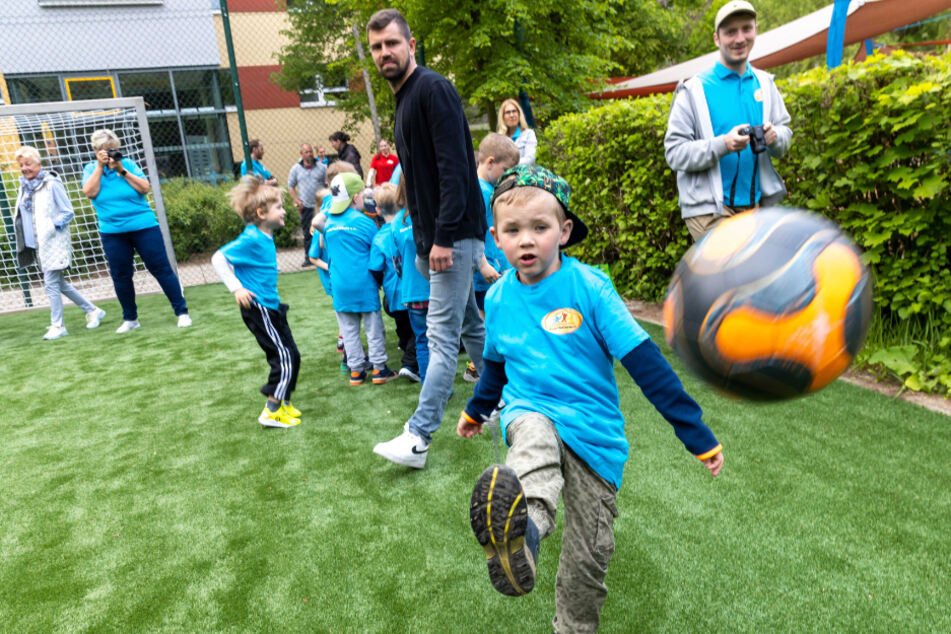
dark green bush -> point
(871, 149)
(200, 219)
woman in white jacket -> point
(41, 222)
(513, 125)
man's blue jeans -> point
(452, 313)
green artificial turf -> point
(139, 494)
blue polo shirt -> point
(118, 206)
(733, 100)
(558, 339)
(492, 252)
(257, 167)
(318, 253)
(348, 238)
(254, 258)
(413, 287)
(382, 253)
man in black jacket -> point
(445, 204)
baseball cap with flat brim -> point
(343, 188)
(734, 7)
(535, 176)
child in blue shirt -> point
(348, 236)
(414, 288)
(561, 419)
(248, 267)
(387, 267)
(497, 153)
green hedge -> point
(871, 149)
(200, 219)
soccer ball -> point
(770, 304)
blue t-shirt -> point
(733, 100)
(558, 339)
(414, 287)
(348, 237)
(395, 178)
(118, 206)
(382, 255)
(492, 252)
(257, 167)
(321, 254)
(254, 258)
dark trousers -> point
(120, 250)
(405, 336)
(273, 334)
(306, 216)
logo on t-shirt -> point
(562, 321)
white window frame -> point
(97, 3)
(321, 91)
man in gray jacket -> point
(712, 120)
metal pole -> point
(366, 81)
(236, 86)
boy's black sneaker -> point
(498, 513)
(357, 378)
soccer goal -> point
(61, 131)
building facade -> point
(172, 53)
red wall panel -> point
(258, 92)
(247, 6)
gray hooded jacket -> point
(694, 152)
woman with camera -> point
(117, 187)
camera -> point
(757, 138)
(114, 154)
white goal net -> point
(60, 131)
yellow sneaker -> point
(292, 411)
(280, 418)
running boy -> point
(562, 420)
(348, 236)
(248, 267)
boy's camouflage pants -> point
(547, 468)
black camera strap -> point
(739, 155)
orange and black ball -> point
(770, 304)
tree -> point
(490, 49)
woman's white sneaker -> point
(127, 326)
(184, 321)
(93, 317)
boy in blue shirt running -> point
(248, 267)
(348, 236)
(561, 419)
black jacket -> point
(435, 148)
(352, 156)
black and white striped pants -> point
(273, 334)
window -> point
(96, 3)
(34, 89)
(154, 87)
(324, 88)
(89, 88)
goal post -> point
(60, 131)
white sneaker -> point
(127, 326)
(409, 374)
(407, 449)
(55, 332)
(184, 321)
(94, 317)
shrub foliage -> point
(871, 149)
(200, 219)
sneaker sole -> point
(468, 378)
(385, 380)
(270, 422)
(499, 516)
(355, 383)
